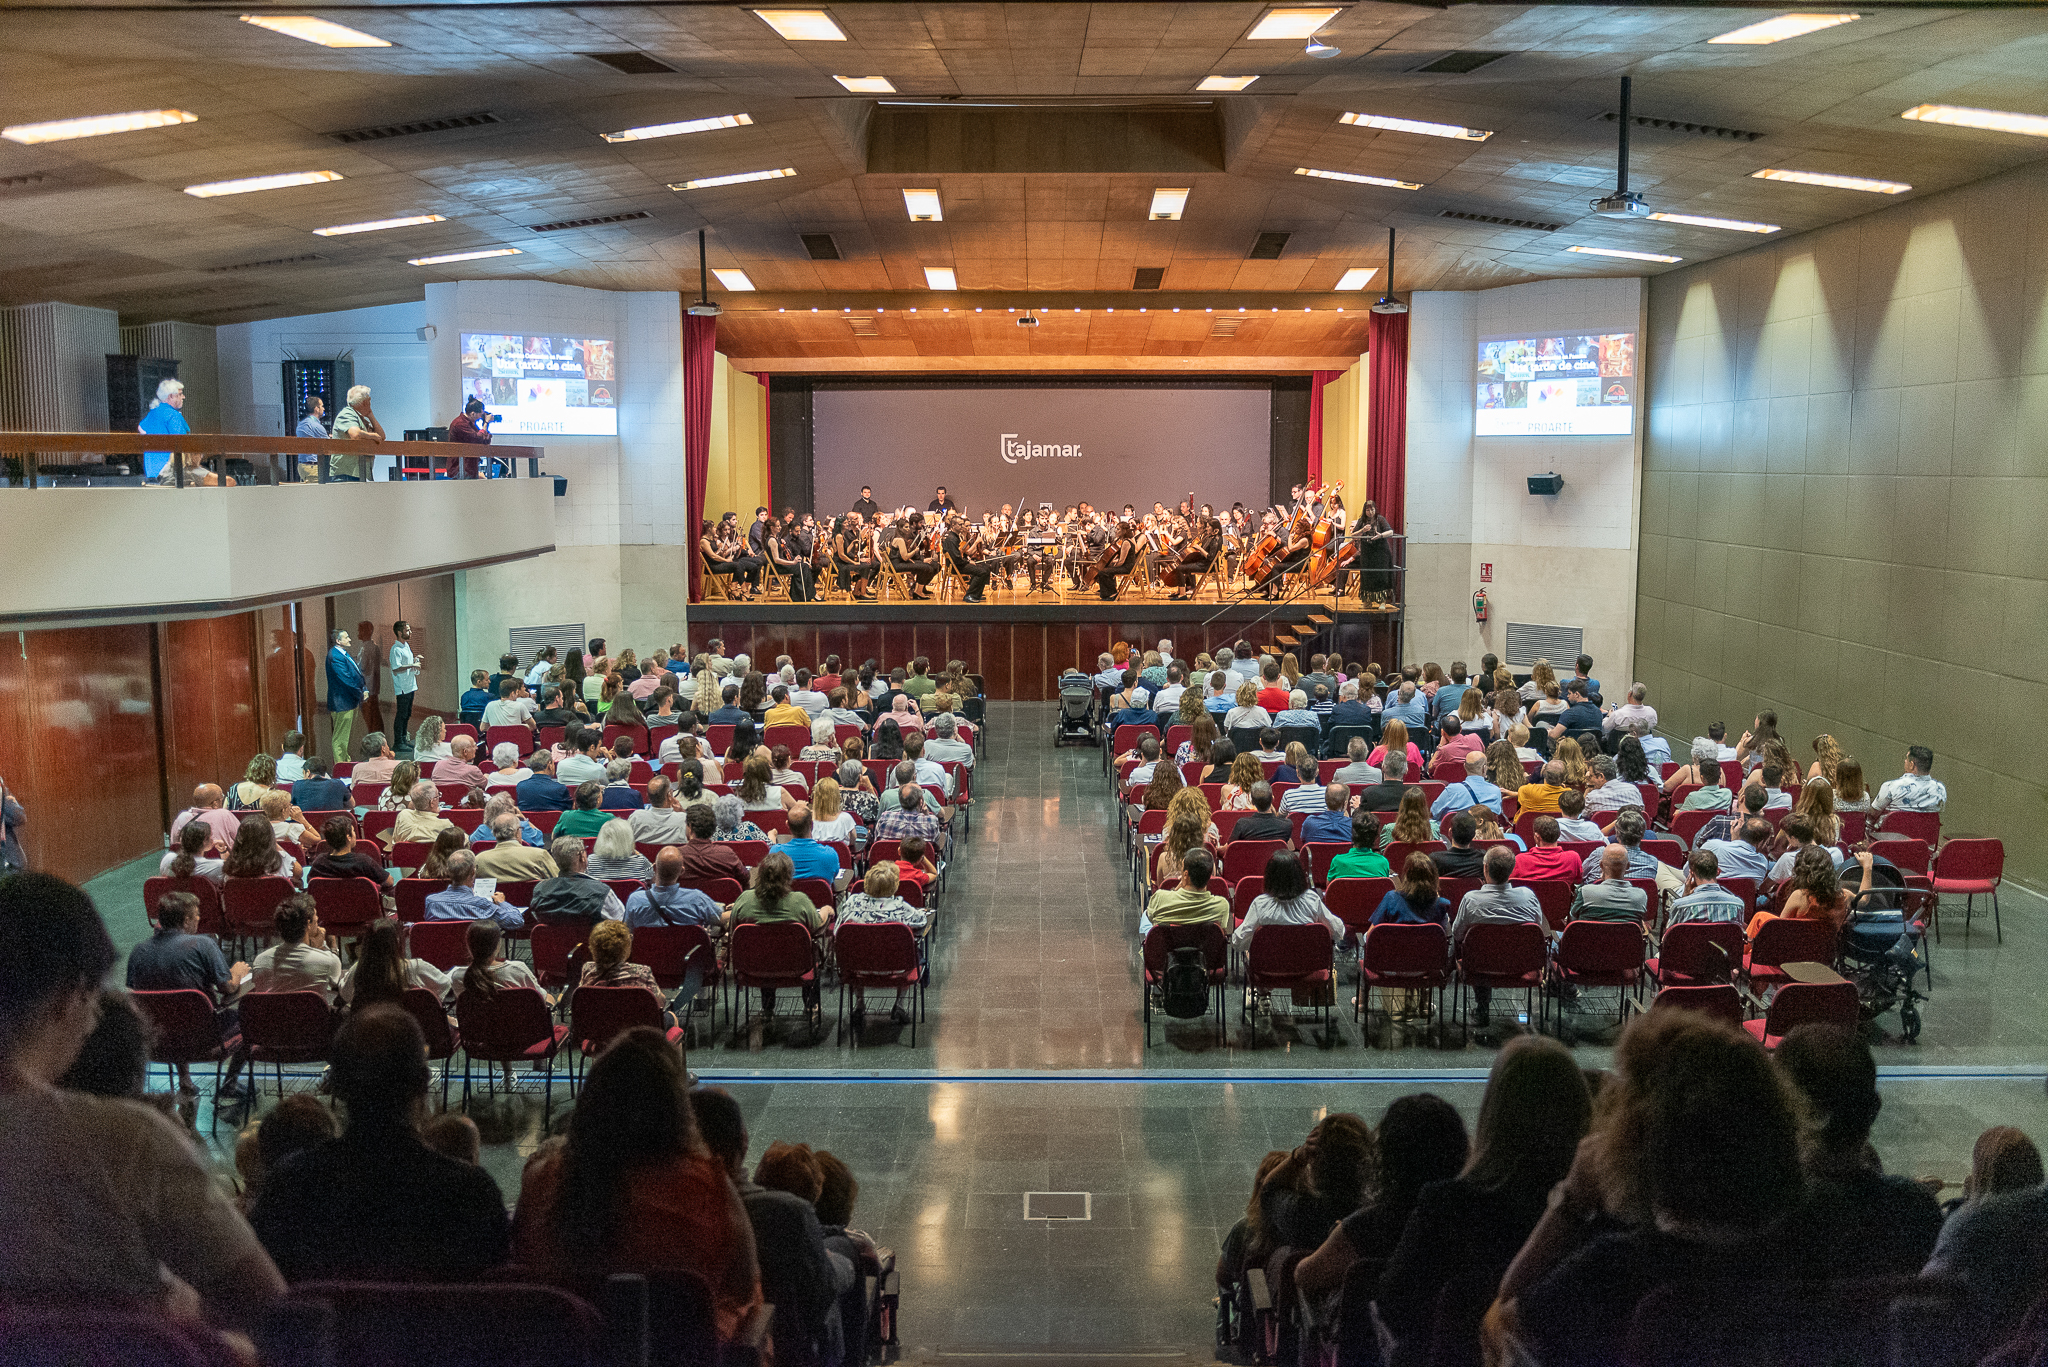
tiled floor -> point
(1035, 975)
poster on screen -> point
(1572, 385)
(543, 386)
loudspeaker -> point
(1545, 484)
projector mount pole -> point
(1621, 167)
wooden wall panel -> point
(209, 702)
(1091, 639)
(899, 645)
(1027, 663)
(863, 643)
(78, 747)
(287, 676)
(995, 659)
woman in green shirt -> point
(772, 901)
(1363, 859)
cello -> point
(1325, 558)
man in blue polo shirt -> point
(808, 858)
(1473, 790)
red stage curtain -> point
(1315, 422)
(700, 337)
(1386, 417)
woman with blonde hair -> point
(1504, 766)
(398, 796)
(1518, 736)
(1576, 774)
(1394, 741)
(1817, 804)
(1487, 828)
(1850, 794)
(829, 818)
(1290, 669)
(1541, 676)
(286, 820)
(257, 779)
(1247, 712)
(707, 696)
(1187, 826)
(1474, 718)
(1411, 824)
(1191, 709)
(1245, 770)
(430, 741)
(1297, 767)
(1828, 754)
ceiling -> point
(101, 220)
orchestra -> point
(1306, 545)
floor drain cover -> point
(1056, 1205)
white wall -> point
(383, 342)
(1567, 559)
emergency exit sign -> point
(1486, 571)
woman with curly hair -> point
(1245, 770)
(1827, 753)
(257, 779)
(1541, 677)
(398, 796)
(1817, 804)
(1576, 773)
(1187, 826)
(1159, 793)
(1191, 709)
(1504, 766)
(1631, 762)
(754, 694)
(1817, 893)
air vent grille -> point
(1458, 63)
(820, 246)
(1499, 222)
(1148, 277)
(1226, 326)
(632, 63)
(1528, 642)
(1705, 130)
(22, 182)
(406, 130)
(597, 222)
(863, 324)
(260, 265)
(1268, 247)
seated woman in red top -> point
(633, 1189)
(1548, 859)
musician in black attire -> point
(1375, 555)
(1094, 537)
(1198, 555)
(1123, 555)
(942, 505)
(1294, 541)
(865, 505)
(976, 572)
(850, 551)
(907, 554)
(723, 553)
(790, 551)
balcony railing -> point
(89, 459)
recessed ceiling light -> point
(99, 125)
(379, 225)
(941, 278)
(1433, 130)
(1168, 203)
(1291, 23)
(1616, 251)
(310, 30)
(669, 130)
(867, 85)
(734, 280)
(1225, 82)
(1876, 187)
(252, 183)
(1997, 120)
(1784, 26)
(1356, 277)
(1734, 224)
(802, 25)
(923, 206)
(740, 179)
(1357, 180)
(462, 256)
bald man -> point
(1613, 898)
(206, 807)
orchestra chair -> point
(718, 579)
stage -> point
(1021, 643)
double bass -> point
(1324, 557)
(1264, 554)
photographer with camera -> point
(472, 425)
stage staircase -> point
(1299, 623)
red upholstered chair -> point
(1397, 853)
(411, 895)
(1554, 895)
(1786, 941)
(1692, 953)
(285, 1027)
(724, 891)
(1974, 868)
(1320, 853)
(1804, 1003)
(508, 735)
(187, 1030)
(249, 905)
(1601, 954)
(1294, 958)
(1243, 893)
(1353, 900)
(795, 737)
(670, 950)
(444, 944)
(554, 944)
(211, 921)
(1502, 957)
(821, 892)
(1719, 1000)
(1924, 827)
(1247, 858)
(1395, 957)
(1686, 825)
(511, 1025)
(770, 957)
(443, 1039)
(1161, 941)
(719, 738)
(881, 957)
(347, 905)
(773, 822)
(599, 1015)
(378, 826)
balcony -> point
(95, 545)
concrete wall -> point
(1845, 482)
(383, 343)
(1564, 560)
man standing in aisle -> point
(405, 680)
(370, 660)
(312, 423)
(357, 422)
(344, 692)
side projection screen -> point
(1575, 385)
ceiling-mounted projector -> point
(704, 309)
(1627, 204)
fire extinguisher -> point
(1480, 608)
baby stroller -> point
(1077, 711)
(1883, 946)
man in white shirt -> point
(291, 764)
(301, 959)
(405, 679)
(807, 697)
(510, 707)
(542, 663)
(1914, 790)
(944, 745)
(1167, 699)
(738, 676)
(1622, 718)
(585, 764)
(929, 772)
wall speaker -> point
(1545, 484)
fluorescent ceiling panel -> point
(940, 278)
(669, 130)
(1357, 277)
(1632, 256)
(923, 206)
(1733, 224)
(249, 184)
(1168, 203)
(803, 25)
(1432, 130)
(740, 179)
(734, 280)
(1784, 26)
(462, 256)
(97, 126)
(1995, 120)
(1357, 180)
(307, 29)
(867, 85)
(378, 225)
(1291, 23)
(1833, 182)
